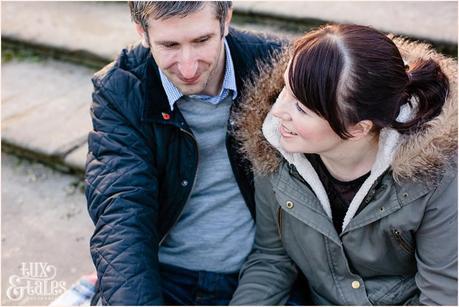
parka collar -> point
(389, 139)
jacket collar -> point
(228, 86)
(241, 62)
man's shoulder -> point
(257, 44)
(121, 84)
(251, 38)
(129, 64)
(250, 51)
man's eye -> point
(299, 108)
(203, 39)
(170, 45)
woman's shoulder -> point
(445, 190)
(437, 192)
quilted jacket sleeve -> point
(122, 198)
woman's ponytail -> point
(429, 86)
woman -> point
(357, 172)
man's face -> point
(190, 50)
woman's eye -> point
(299, 108)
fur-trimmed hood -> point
(422, 156)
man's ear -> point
(228, 21)
(142, 35)
(361, 129)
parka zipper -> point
(279, 221)
(192, 187)
(403, 244)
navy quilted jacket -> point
(140, 157)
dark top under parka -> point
(138, 159)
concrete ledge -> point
(76, 160)
(45, 109)
(432, 20)
(102, 29)
(99, 28)
(45, 106)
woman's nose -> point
(282, 115)
(280, 108)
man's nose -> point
(188, 64)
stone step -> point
(95, 27)
(45, 110)
(45, 105)
(102, 29)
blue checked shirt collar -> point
(229, 84)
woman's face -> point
(302, 130)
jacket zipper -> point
(403, 244)
(192, 187)
(279, 221)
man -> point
(171, 198)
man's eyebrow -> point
(166, 42)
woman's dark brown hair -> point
(349, 73)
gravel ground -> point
(45, 232)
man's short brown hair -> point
(141, 11)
